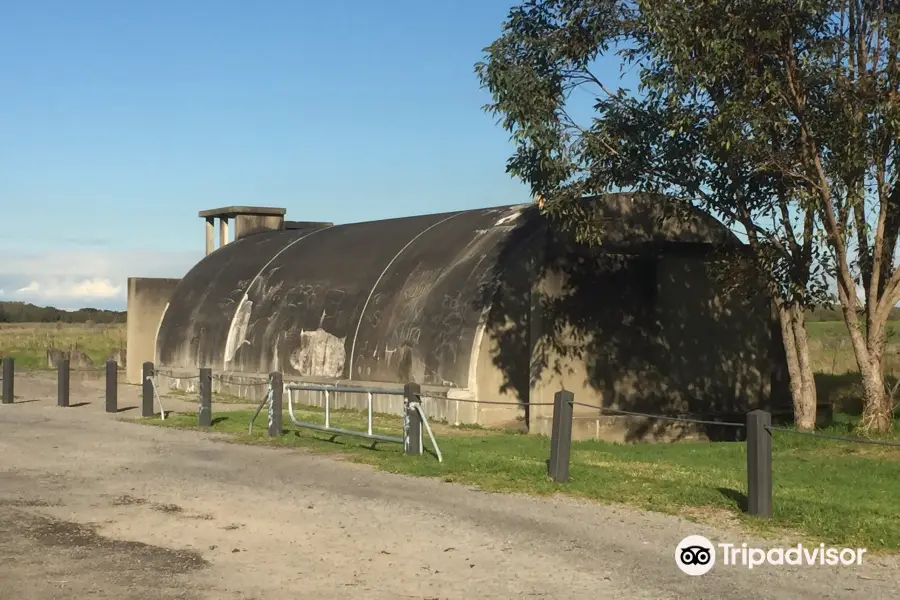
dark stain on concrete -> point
(65, 534)
(127, 500)
(167, 508)
(43, 558)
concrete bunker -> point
(482, 305)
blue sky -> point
(120, 120)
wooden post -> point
(112, 386)
(561, 436)
(62, 380)
(759, 464)
(275, 405)
(412, 444)
(204, 419)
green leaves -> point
(739, 106)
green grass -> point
(838, 493)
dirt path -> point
(95, 507)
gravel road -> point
(92, 506)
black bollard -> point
(204, 419)
(275, 406)
(147, 389)
(9, 379)
(112, 386)
(62, 377)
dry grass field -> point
(28, 342)
(831, 353)
(837, 376)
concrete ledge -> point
(292, 225)
(230, 212)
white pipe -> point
(428, 429)
(291, 405)
(370, 412)
(162, 411)
(327, 411)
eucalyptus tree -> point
(782, 118)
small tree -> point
(781, 118)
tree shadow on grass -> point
(348, 441)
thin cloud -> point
(85, 277)
(86, 288)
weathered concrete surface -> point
(391, 300)
(195, 331)
(147, 300)
(92, 507)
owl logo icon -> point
(695, 555)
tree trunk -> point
(796, 349)
(877, 414)
(806, 415)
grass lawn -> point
(825, 490)
(28, 342)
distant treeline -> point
(22, 312)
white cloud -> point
(85, 277)
(86, 288)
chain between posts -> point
(826, 436)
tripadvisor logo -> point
(696, 555)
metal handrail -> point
(316, 387)
(336, 430)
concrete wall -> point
(669, 342)
(147, 299)
(245, 225)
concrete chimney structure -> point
(247, 221)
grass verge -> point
(825, 490)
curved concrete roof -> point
(351, 301)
